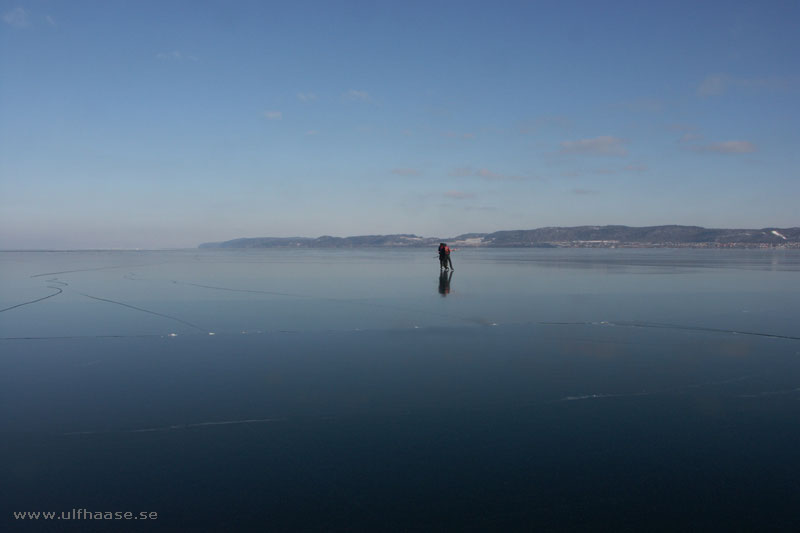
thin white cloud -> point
(457, 135)
(727, 147)
(307, 97)
(175, 55)
(485, 173)
(717, 84)
(357, 96)
(50, 20)
(688, 132)
(690, 137)
(312, 132)
(16, 17)
(650, 105)
(772, 83)
(458, 195)
(480, 208)
(461, 172)
(583, 192)
(603, 145)
(406, 171)
(635, 168)
(273, 115)
(682, 127)
(604, 171)
(527, 127)
(713, 85)
(439, 112)
(496, 176)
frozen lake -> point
(330, 390)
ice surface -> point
(197, 292)
(327, 390)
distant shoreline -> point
(605, 237)
(672, 236)
(556, 246)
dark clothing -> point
(442, 256)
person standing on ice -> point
(449, 261)
(444, 257)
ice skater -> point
(442, 256)
(448, 261)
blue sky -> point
(167, 124)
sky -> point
(136, 124)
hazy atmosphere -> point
(152, 124)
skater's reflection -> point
(444, 282)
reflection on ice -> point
(324, 290)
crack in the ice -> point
(92, 269)
(656, 325)
(179, 426)
(781, 392)
(599, 396)
(671, 390)
(256, 291)
(66, 337)
(145, 311)
(34, 301)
